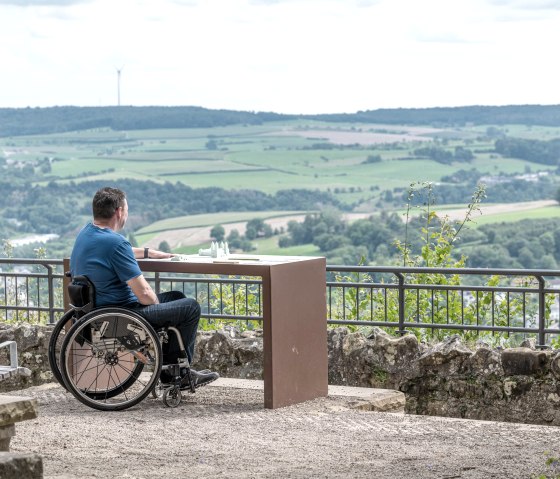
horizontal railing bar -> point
(441, 287)
(8, 274)
(45, 261)
(179, 279)
(365, 269)
(446, 271)
(232, 317)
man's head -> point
(110, 205)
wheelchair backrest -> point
(82, 295)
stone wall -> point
(446, 379)
(33, 343)
(449, 379)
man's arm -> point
(152, 253)
(143, 290)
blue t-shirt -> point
(107, 259)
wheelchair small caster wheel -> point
(157, 392)
(172, 397)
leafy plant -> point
(439, 297)
(553, 465)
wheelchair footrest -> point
(182, 380)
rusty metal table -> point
(294, 318)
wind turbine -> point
(119, 70)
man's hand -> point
(143, 290)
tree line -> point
(32, 121)
(61, 207)
(546, 115)
(58, 119)
(507, 190)
(536, 151)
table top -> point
(245, 264)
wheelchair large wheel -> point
(111, 359)
(55, 344)
(55, 348)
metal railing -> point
(476, 300)
(505, 301)
(220, 297)
(31, 289)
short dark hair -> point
(106, 202)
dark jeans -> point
(174, 309)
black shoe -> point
(199, 379)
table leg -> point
(295, 333)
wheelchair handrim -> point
(107, 361)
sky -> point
(285, 56)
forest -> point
(31, 121)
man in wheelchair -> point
(108, 260)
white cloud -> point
(31, 3)
(306, 56)
(527, 4)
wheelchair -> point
(110, 358)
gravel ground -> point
(225, 432)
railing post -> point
(400, 276)
(542, 313)
(65, 283)
(157, 285)
(51, 292)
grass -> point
(513, 216)
(270, 246)
(266, 157)
(540, 212)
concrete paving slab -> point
(366, 399)
(17, 408)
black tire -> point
(54, 354)
(111, 359)
(55, 344)
(172, 397)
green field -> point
(547, 212)
(270, 157)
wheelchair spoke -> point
(112, 359)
